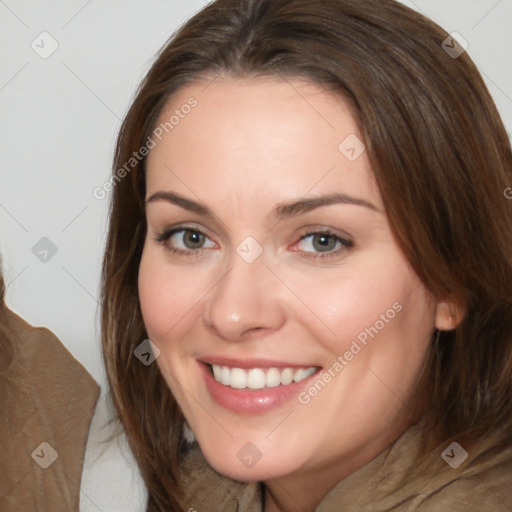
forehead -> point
(259, 135)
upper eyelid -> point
(316, 228)
(178, 228)
(319, 229)
(345, 240)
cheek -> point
(340, 308)
(166, 295)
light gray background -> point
(60, 116)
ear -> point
(448, 316)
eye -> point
(189, 242)
(183, 241)
(327, 243)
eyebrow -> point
(281, 210)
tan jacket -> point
(469, 488)
(47, 400)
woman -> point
(312, 232)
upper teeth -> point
(256, 378)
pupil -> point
(324, 241)
(194, 237)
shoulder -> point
(48, 399)
(397, 480)
(58, 389)
(209, 491)
(488, 490)
(37, 348)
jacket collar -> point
(390, 481)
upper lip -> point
(251, 363)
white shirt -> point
(111, 481)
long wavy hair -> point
(442, 161)
(8, 337)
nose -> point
(245, 300)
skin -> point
(247, 146)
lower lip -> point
(244, 401)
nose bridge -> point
(245, 299)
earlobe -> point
(448, 316)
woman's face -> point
(306, 311)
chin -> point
(247, 464)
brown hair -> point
(7, 337)
(441, 158)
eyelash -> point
(163, 236)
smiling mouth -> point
(259, 378)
